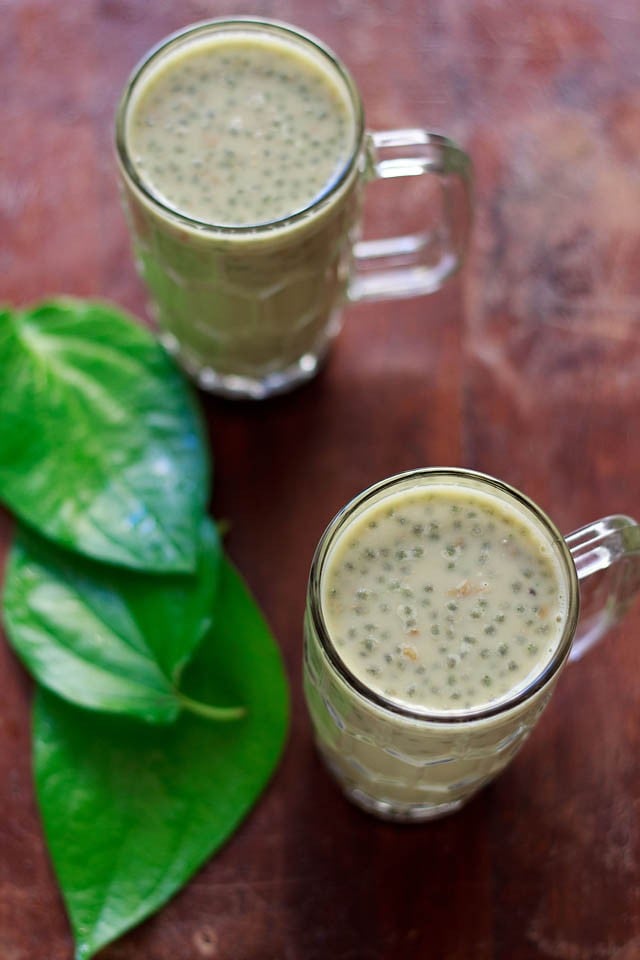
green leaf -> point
(102, 444)
(131, 811)
(105, 638)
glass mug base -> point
(403, 813)
(240, 387)
(395, 811)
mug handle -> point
(607, 558)
(410, 265)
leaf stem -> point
(209, 711)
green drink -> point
(243, 156)
(442, 607)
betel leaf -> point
(130, 811)
(102, 445)
(106, 638)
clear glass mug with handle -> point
(250, 308)
(404, 761)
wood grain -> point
(527, 367)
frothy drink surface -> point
(236, 129)
(443, 598)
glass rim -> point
(551, 667)
(176, 38)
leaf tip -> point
(83, 951)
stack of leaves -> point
(161, 706)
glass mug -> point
(410, 762)
(249, 310)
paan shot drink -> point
(442, 605)
(243, 156)
(239, 129)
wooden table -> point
(527, 367)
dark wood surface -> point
(527, 367)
